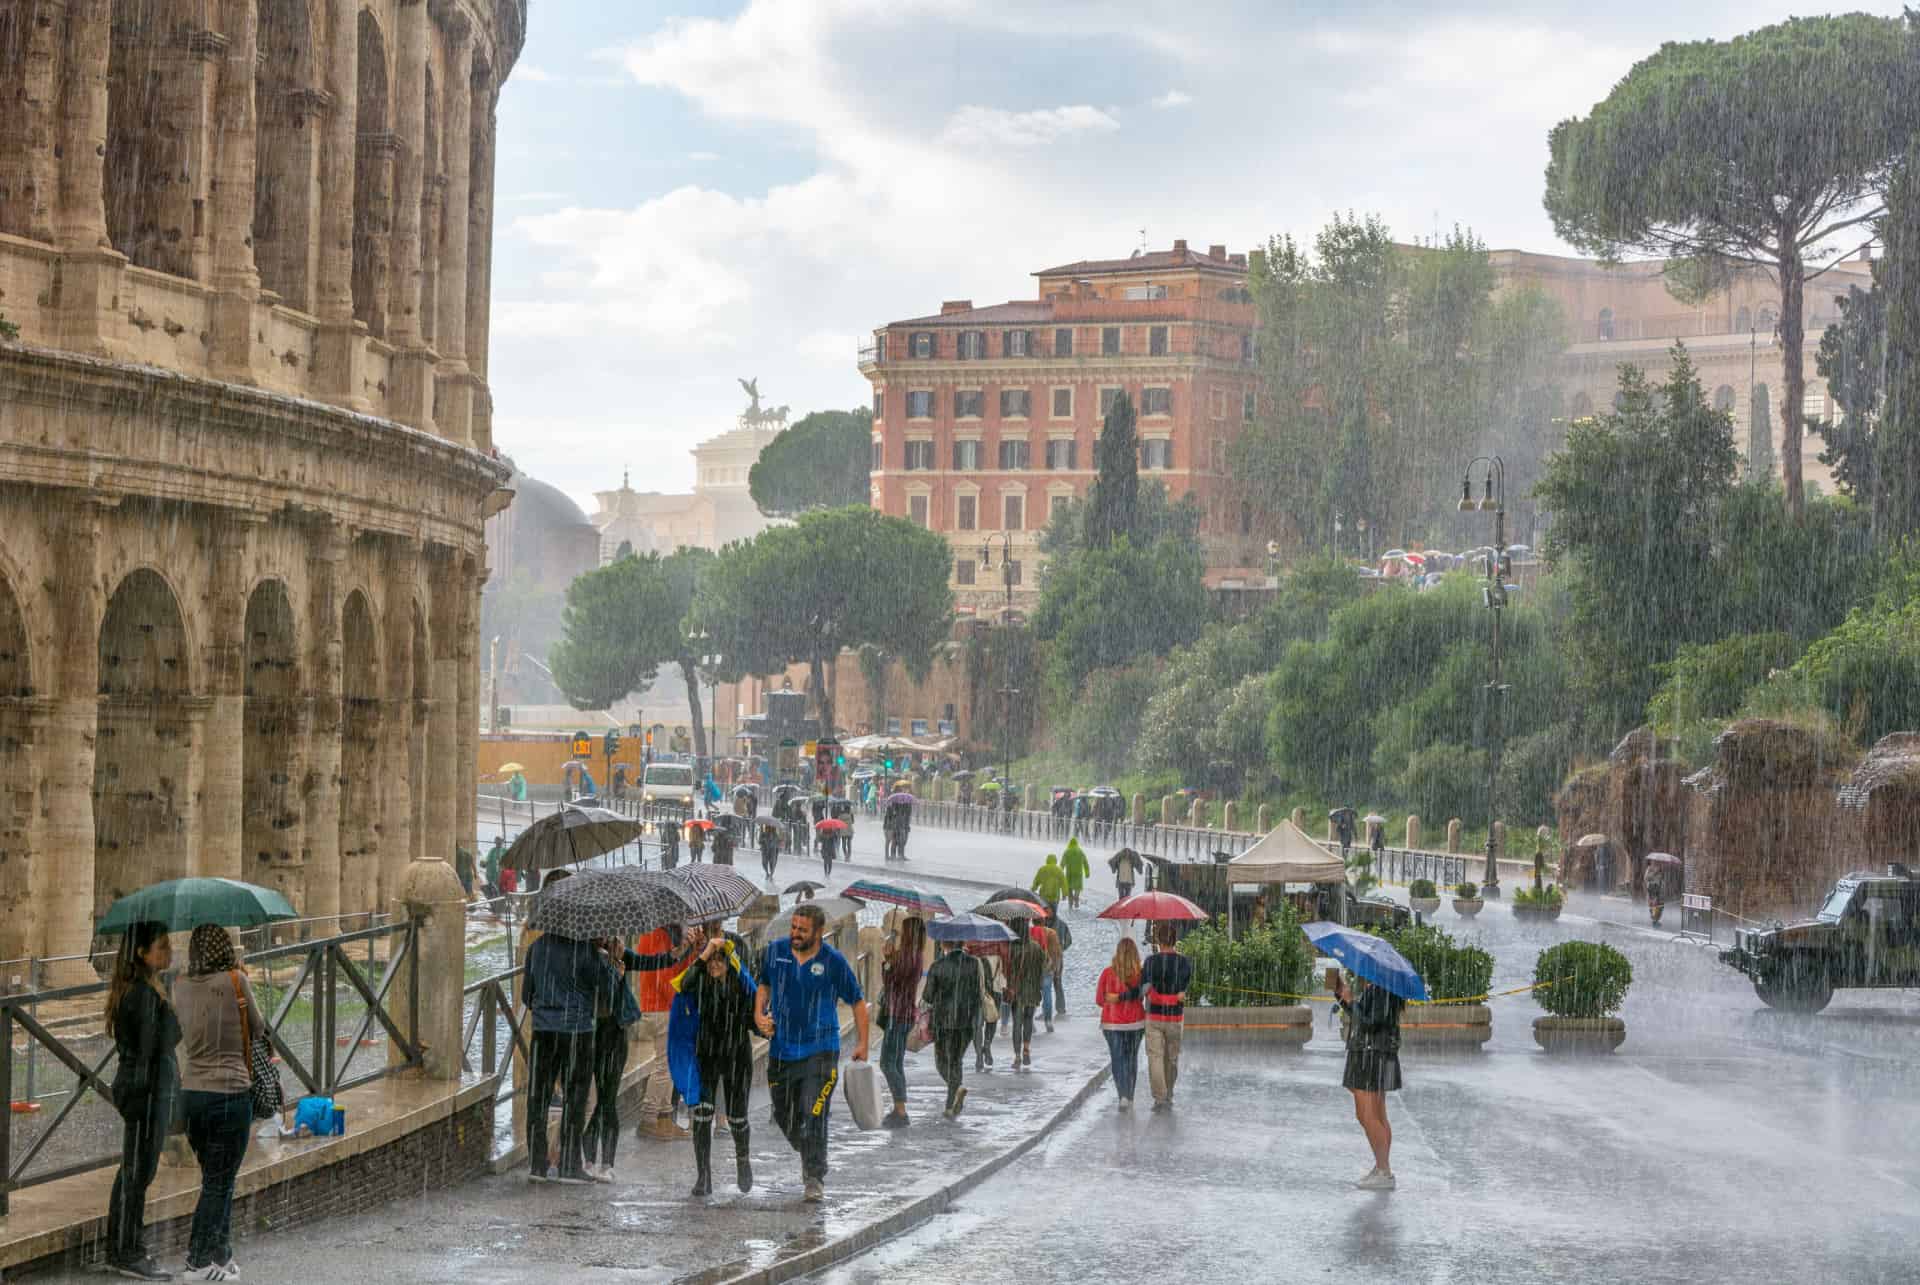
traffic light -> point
(841, 760)
(613, 742)
(887, 764)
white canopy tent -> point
(1286, 855)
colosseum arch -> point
(144, 763)
(432, 199)
(360, 756)
(373, 168)
(18, 802)
(273, 723)
(159, 137)
(290, 103)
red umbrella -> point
(1153, 905)
(700, 824)
(832, 825)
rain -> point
(1383, 745)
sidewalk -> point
(646, 1228)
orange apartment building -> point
(985, 419)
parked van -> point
(668, 783)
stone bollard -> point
(1263, 819)
(1333, 832)
(1230, 817)
(431, 896)
(1169, 810)
(1197, 814)
(1499, 839)
(1299, 818)
(1139, 810)
(1027, 797)
(1413, 833)
(1453, 835)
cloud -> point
(531, 74)
(1173, 98)
(992, 127)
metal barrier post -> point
(6, 1075)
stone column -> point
(90, 269)
(1413, 833)
(1299, 818)
(478, 263)
(338, 357)
(29, 171)
(449, 598)
(1453, 835)
(222, 792)
(410, 399)
(396, 833)
(467, 737)
(1264, 819)
(73, 536)
(432, 897)
(1230, 816)
(237, 354)
(453, 397)
(325, 557)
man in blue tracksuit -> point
(802, 983)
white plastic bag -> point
(860, 1086)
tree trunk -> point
(1793, 368)
(691, 672)
(822, 698)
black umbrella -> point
(610, 903)
(571, 835)
(805, 886)
(1015, 894)
(1010, 911)
(714, 892)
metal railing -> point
(312, 999)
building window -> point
(1246, 348)
(966, 514)
(919, 455)
(1014, 453)
(969, 403)
(963, 571)
(879, 455)
(1246, 519)
(922, 343)
(1017, 343)
(1743, 319)
(893, 727)
(1110, 341)
(1156, 453)
(1813, 405)
(973, 345)
(1606, 323)
(1063, 403)
(1108, 396)
(1146, 292)
(1063, 342)
(1015, 403)
(1246, 407)
(920, 404)
(917, 510)
(1156, 341)
(1057, 506)
(1060, 453)
(1013, 513)
(966, 454)
(1219, 456)
(1767, 319)
(879, 401)
(1156, 401)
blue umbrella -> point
(1367, 956)
(968, 928)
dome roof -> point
(544, 505)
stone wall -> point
(1878, 818)
(1647, 803)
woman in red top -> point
(1123, 1021)
(901, 982)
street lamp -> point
(1493, 499)
(1007, 690)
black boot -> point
(742, 1166)
(703, 1156)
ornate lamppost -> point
(1493, 499)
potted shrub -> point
(1538, 903)
(1452, 971)
(1467, 900)
(1423, 896)
(1581, 984)
(1248, 988)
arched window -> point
(1723, 398)
(1767, 320)
(1743, 319)
(1606, 323)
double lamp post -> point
(1493, 499)
(1007, 690)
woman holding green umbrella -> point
(218, 1016)
(144, 1031)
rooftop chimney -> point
(1238, 260)
(956, 305)
(1179, 247)
(1216, 251)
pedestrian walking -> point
(217, 1014)
(1050, 881)
(899, 1009)
(463, 868)
(1125, 865)
(712, 1055)
(615, 1013)
(1123, 1021)
(563, 978)
(696, 842)
(1026, 983)
(769, 849)
(491, 865)
(1373, 1069)
(1074, 862)
(1057, 950)
(954, 990)
(1164, 978)
(656, 1002)
(518, 787)
(146, 1083)
(802, 983)
(669, 844)
(992, 958)
(723, 843)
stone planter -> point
(1424, 905)
(1536, 912)
(1286, 1025)
(1578, 1036)
(1466, 907)
(1462, 1027)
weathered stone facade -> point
(245, 444)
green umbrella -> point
(182, 904)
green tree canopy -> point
(619, 626)
(1771, 149)
(1116, 491)
(821, 462)
(1103, 607)
(836, 578)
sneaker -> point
(539, 1175)
(577, 1179)
(894, 1120)
(1126, 1104)
(212, 1272)
(816, 1191)
(600, 1173)
(144, 1269)
(959, 1102)
(664, 1129)
(1378, 1180)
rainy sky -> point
(692, 192)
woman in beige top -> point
(217, 1016)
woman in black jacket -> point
(146, 1085)
(1373, 1069)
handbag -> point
(922, 1033)
(989, 1011)
(264, 1088)
(859, 1085)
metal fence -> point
(327, 991)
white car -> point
(667, 783)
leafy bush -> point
(1267, 962)
(1467, 891)
(1547, 898)
(1101, 725)
(1709, 681)
(1589, 979)
(1451, 971)
(1422, 888)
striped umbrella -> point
(715, 892)
(914, 900)
(610, 903)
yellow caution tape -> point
(1328, 999)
